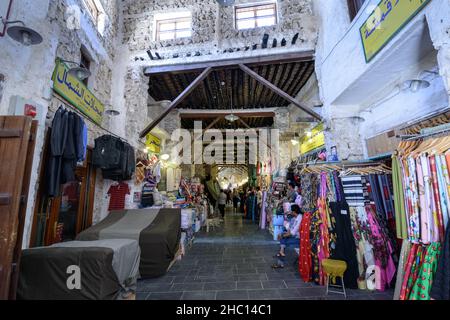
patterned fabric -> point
(438, 230)
(408, 271)
(315, 240)
(406, 248)
(305, 259)
(309, 186)
(441, 285)
(415, 267)
(399, 199)
(383, 250)
(422, 286)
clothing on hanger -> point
(118, 193)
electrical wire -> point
(355, 20)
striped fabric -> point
(355, 190)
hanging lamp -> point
(111, 111)
(231, 117)
(78, 70)
(22, 34)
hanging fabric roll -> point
(399, 200)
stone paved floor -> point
(234, 262)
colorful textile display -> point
(440, 289)
(425, 187)
(304, 261)
(421, 192)
(422, 286)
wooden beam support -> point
(248, 127)
(203, 132)
(277, 90)
(220, 64)
(201, 115)
(177, 101)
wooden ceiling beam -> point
(261, 60)
(177, 101)
(283, 94)
(202, 115)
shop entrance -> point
(61, 218)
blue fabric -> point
(85, 139)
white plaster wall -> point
(344, 62)
(22, 66)
(343, 72)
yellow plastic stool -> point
(334, 269)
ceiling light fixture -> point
(22, 34)
(417, 84)
(231, 117)
(112, 112)
(165, 156)
(296, 140)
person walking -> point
(236, 200)
(222, 202)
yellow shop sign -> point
(387, 19)
(153, 143)
(76, 93)
(316, 140)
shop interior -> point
(238, 201)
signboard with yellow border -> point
(387, 19)
(314, 141)
(76, 93)
(153, 143)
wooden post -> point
(177, 101)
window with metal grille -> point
(353, 7)
(256, 15)
(174, 28)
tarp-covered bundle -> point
(76, 270)
(157, 231)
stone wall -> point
(214, 32)
(66, 27)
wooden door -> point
(73, 207)
(23, 210)
(14, 140)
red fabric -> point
(117, 196)
(407, 271)
(71, 191)
(438, 217)
(304, 261)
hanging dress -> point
(304, 262)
